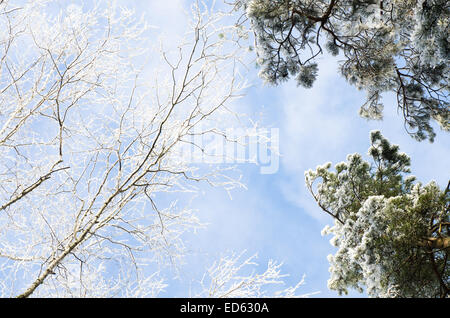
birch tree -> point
(91, 145)
(386, 46)
(391, 232)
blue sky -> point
(276, 217)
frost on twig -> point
(91, 144)
(235, 276)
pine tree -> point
(391, 232)
(399, 46)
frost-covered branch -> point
(94, 120)
(385, 46)
(392, 234)
(235, 276)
